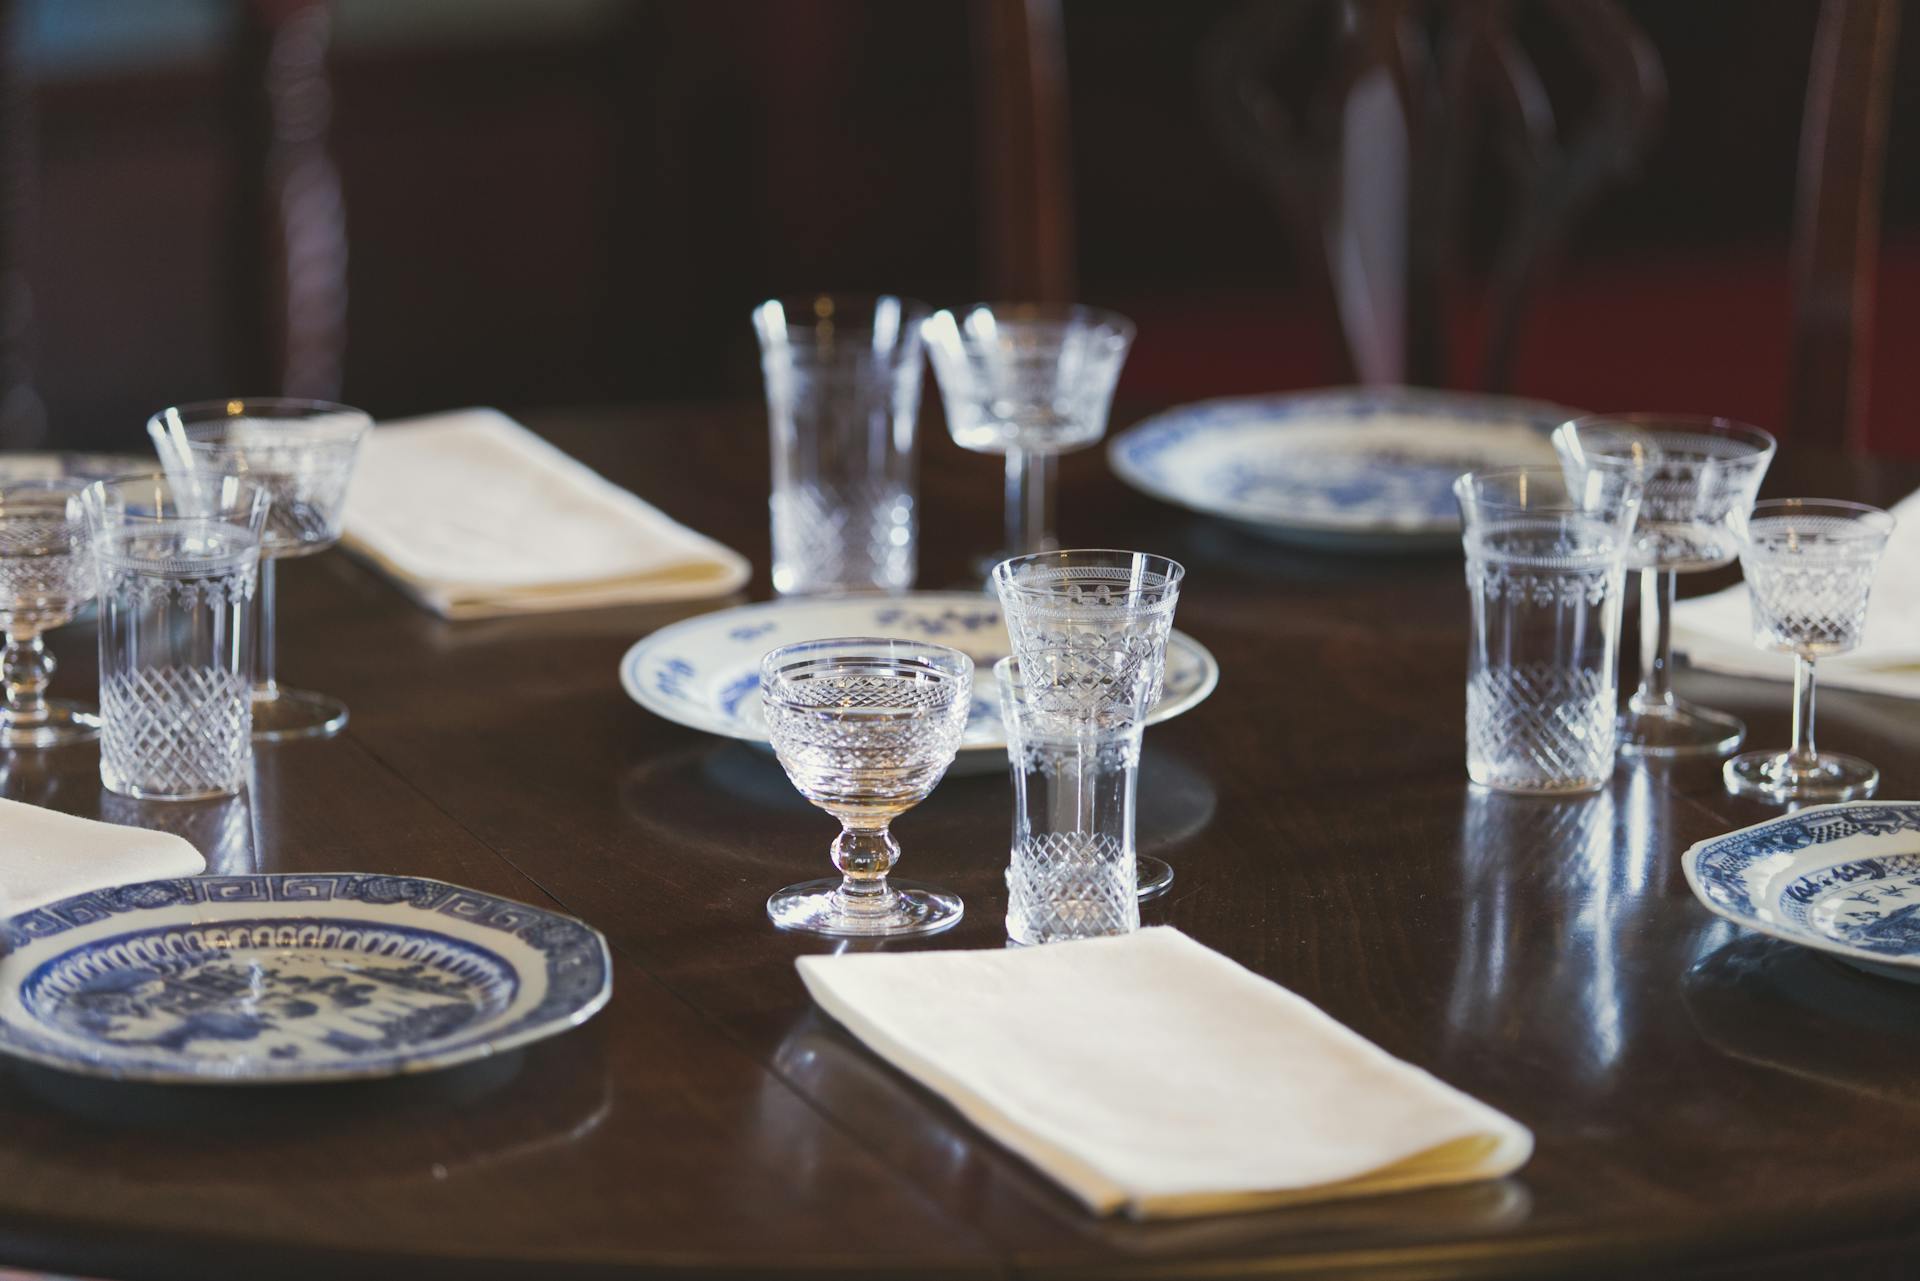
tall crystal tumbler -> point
(302, 452)
(1545, 562)
(179, 569)
(1090, 629)
(1030, 381)
(46, 573)
(1071, 870)
(843, 405)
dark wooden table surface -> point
(1706, 1102)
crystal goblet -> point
(46, 573)
(1700, 476)
(1029, 381)
(1809, 563)
(1090, 629)
(302, 452)
(865, 727)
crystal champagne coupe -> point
(1700, 476)
(302, 452)
(1809, 563)
(1029, 381)
(46, 573)
(865, 727)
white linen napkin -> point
(1149, 1074)
(1716, 632)
(476, 517)
(46, 855)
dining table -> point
(1705, 1101)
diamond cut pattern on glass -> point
(1066, 885)
(1538, 727)
(176, 730)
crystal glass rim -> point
(800, 312)
(827, 652)
(324, 418)
(241, 498)
(71, 486)
(1763, 442)
(1118, 329)
(1465, 492)
(1876, 519)
(1171, 571)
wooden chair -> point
(1836, 243)
(1373, 161)
(1024, 165)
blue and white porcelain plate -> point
(1844, 879)
(1362, 468)
(239, 980)
(705, 672)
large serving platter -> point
(1363, 469)
(705, 672)
(242, 980)
(1842, 879)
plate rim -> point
(1689, 866)
(1252, 514)
(404, 1065)
(635, 653)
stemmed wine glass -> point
(1809, 563)
(1030, 381)
(865, 727)
(302, 452)
(1700, 477)
(46, 573)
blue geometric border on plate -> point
(577, 961)
(1722, 863)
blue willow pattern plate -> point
(1355, 467)
(705, 672)
(289, 978)
(1844, 879)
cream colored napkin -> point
(476, 517)
(46, 855)
(1149, 1074)
(1716, 632)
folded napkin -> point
(476, 517)
(1716, 632)
(1148, 1073)
(46, 855)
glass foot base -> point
(64, 723)
(283, 713)
(1679, 729)
(1155, 877)
(816, 907)
(1775, 777)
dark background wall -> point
(557, 201)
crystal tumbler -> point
(1699, 478)
(302, 452)
(1072, 871)
(1545, 561)
(1809, 563)
(843, 402)
(178, 572)
(1090, 629)
(865, 727)
(46, 573)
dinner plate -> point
(705, 672)
(42, 465)
(240, 980)
(1842, 879)
(1368, 469)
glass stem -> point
(1803, 755)
(1029, 502)
(26, 667)
(865, 856)
(1656, 639)
(264, 685)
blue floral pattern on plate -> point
(705, 672)
(1844, 879)
(286, 978)
(1352, 466)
